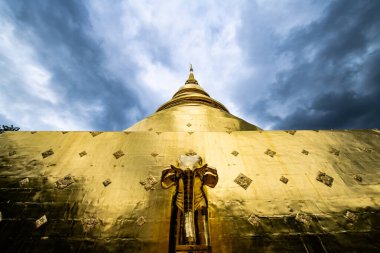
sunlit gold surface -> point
(120, 204)
(191, 118)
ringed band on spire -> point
(192, 93)
(192, 102)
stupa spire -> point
(191, 78)
(192, 93)
(191, 103)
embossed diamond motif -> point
(83, 153)
(254, 220)
(324, 178)
(243, 181)
(334, 151)
(118, 154)
(190, 133)
(149, 183)
(358, 178)
(154, 154)
(107, 182)
(158, 133)
(65, 182)
(150, 129)
(292, 132)
(41, 221)
(235, 153)
(305, 152)
(284, 180)
(351, 216)
(151, 180)
(95, 133)
(47, 153)
(269, 152)
(140, 221)
(188, 124)
(24, 182)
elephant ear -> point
(210, 177)
(168, 177)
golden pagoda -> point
(192, 109)
(190, 178)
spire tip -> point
(191, 78)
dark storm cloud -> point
(60, 32)
(333, 79)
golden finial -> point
(191, 78)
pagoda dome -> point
(192, 109)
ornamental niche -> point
(189, 228)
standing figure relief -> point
(189, 228)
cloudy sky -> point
(104, 65)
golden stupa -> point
(192, 110)
(190, 178)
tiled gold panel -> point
(86, 216)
